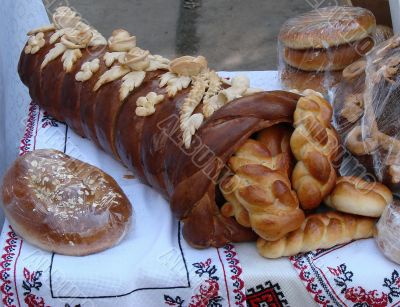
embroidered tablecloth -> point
(154, 266)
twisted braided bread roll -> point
(322, 230)
(174, 124)
(260, 194)
(315, 145)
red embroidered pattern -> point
(48, 121)
(32, 282)
(208, 291)
(236, 270)
(25, 145)
(7, 259)
(266, 294)
(346, 294)
(311, 285)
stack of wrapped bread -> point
(316, 46)
(235, 163)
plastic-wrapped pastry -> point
(314, 47)
(387, 235)
(366, 112)
(64, 205)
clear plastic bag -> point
(366, 111)
(315, 47)
(387, 236)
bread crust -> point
(64, 205)
(293, 78)
(331, 59)
(357, 196)
(315, 144)
(321, 230)
(327, 27)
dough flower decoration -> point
(135, 59)
(131, 66)
(35, 43)
(71, 35)
(72, 41)
(121, 41)
(129, 62)
(78, 37)
(64, 18)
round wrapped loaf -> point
(331, 59)
(64, 205)
(327, 27)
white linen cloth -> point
(17, 18)
(152, 266)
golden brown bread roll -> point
(327, 27)
(271, 149)
(357, 196)
(315, 145)
(267, 196)
(323, 230)
(64, 205)
(331, 59)
(256, 192)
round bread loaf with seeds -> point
(64, 205)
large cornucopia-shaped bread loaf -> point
(173, 123)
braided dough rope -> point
(259, 193)
(322, 230)
(315, 145)
(357, 196)
(271, 149)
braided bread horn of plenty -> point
(315, 145)
(323, 230)
(146, 125)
